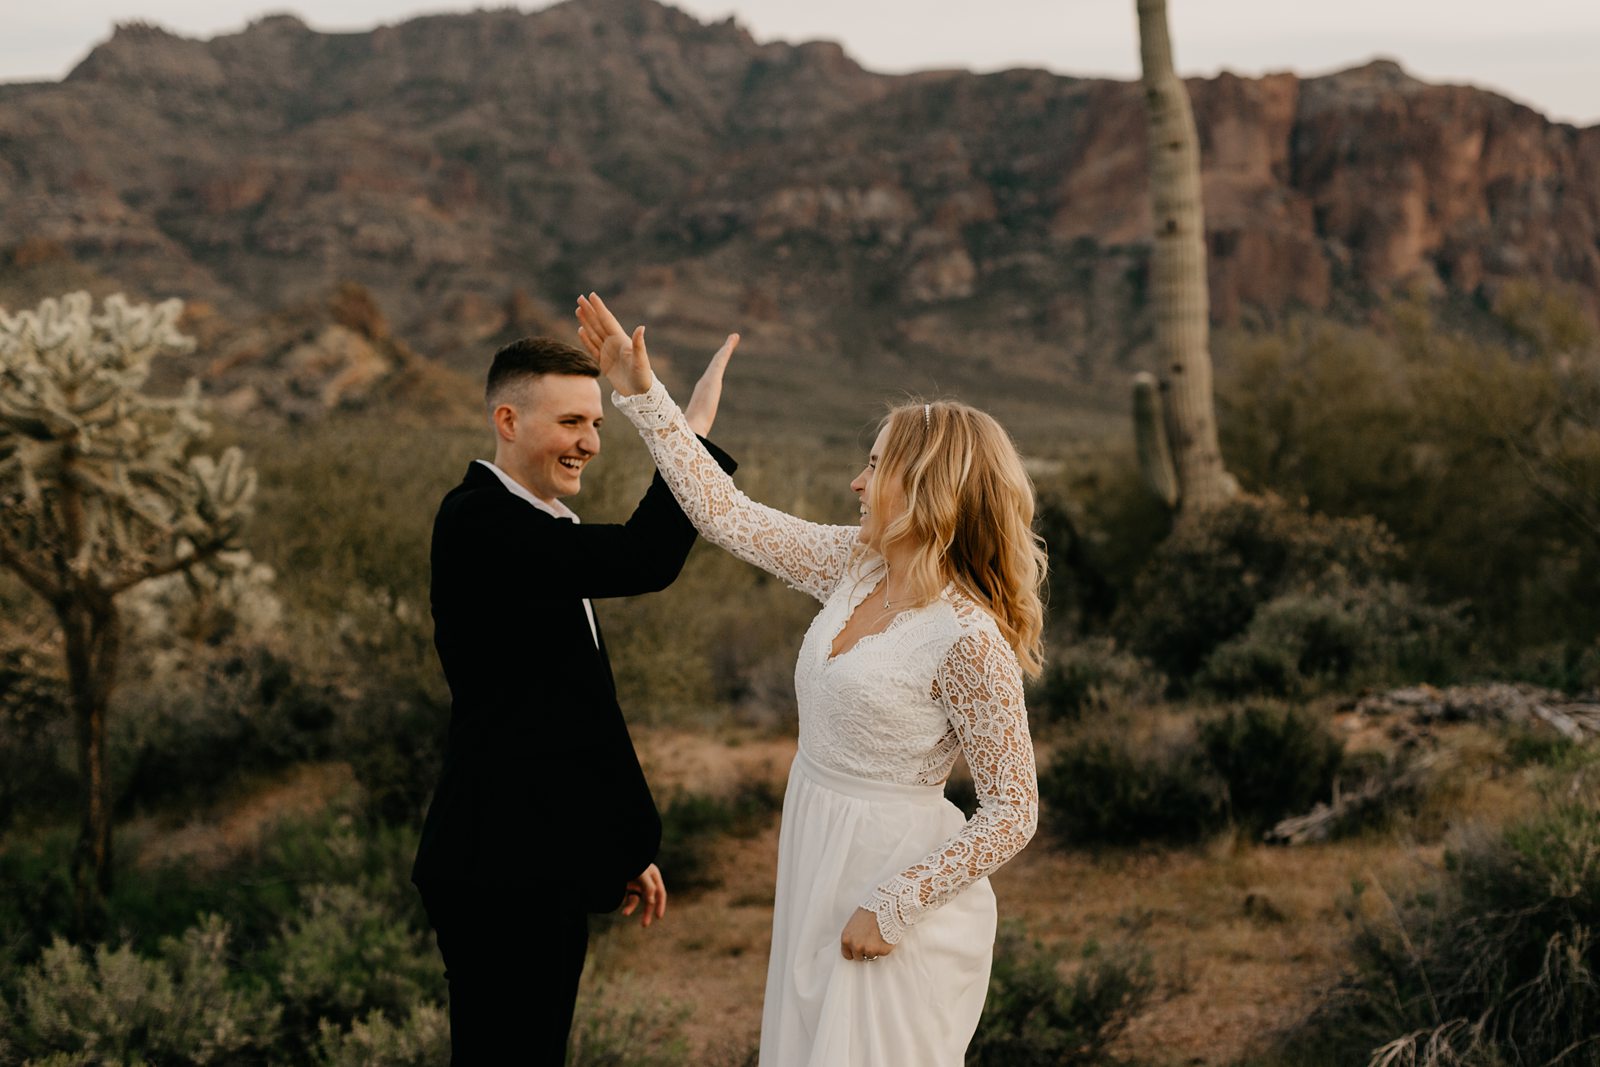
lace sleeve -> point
(979, 685)
(809, 556)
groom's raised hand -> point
(649, 890)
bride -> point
(884, 922)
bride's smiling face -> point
(880, 508)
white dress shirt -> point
(549, 507)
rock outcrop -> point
(474, 171)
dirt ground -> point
(1242, 936)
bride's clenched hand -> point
(861, 939)
(623, 359)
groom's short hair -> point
(524, 360)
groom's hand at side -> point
(650, 890)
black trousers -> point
(513, 964)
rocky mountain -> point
(942, 231)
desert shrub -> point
(616, 1026)
(691, 823)
(393, 736)
(104, 1005)
(345, 956)
(188, 735)
(35, 896)
(35, 737)
(1306, 641)
(1572, 666)
(1089, 676)
(1253, 764)
(321, 916)
(1208, 581)
(1479, 452)
(1531, 745)
(1100, 789)
(421, 1040)
(1100, 525)
(1273, 761)
(1036, 1018)
(1498, 962)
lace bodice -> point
(896, 706)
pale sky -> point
(1544, 53)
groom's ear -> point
(504, 419)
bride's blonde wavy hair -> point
(969, 513)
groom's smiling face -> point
(551, 434)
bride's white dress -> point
(865, 822)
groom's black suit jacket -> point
(541, 790)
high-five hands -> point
(650, 890)
(624, 360)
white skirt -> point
(841, 836)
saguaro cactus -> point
(1178, 289)
(98, 493)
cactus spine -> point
(1178, 279)
(99, 493)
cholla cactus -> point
(98, 493)
(1178, 273)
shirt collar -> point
(549, 507)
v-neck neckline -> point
(852, 605)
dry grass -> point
(1243, 936)
(209, 842)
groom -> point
(541, 814)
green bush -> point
(187, 735)
(1481, 453)
(393, 737)
(1089, 676)
(1035, 1018)
(35, 737)
(1100, 525)
(345, 956)
(616, 1027)
(1207, 583)
(1253, 764)
(323, 922)
(691, 823)
(1273, 761)
(1498, 962)
(111, 1005)
(422, 1040)
(1098, 789)
(1572, 666)
(1305, 642)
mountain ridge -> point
(937, 229)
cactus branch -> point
(102, 494)
(1178, 271)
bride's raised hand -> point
(702, 409)
(623, 359)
